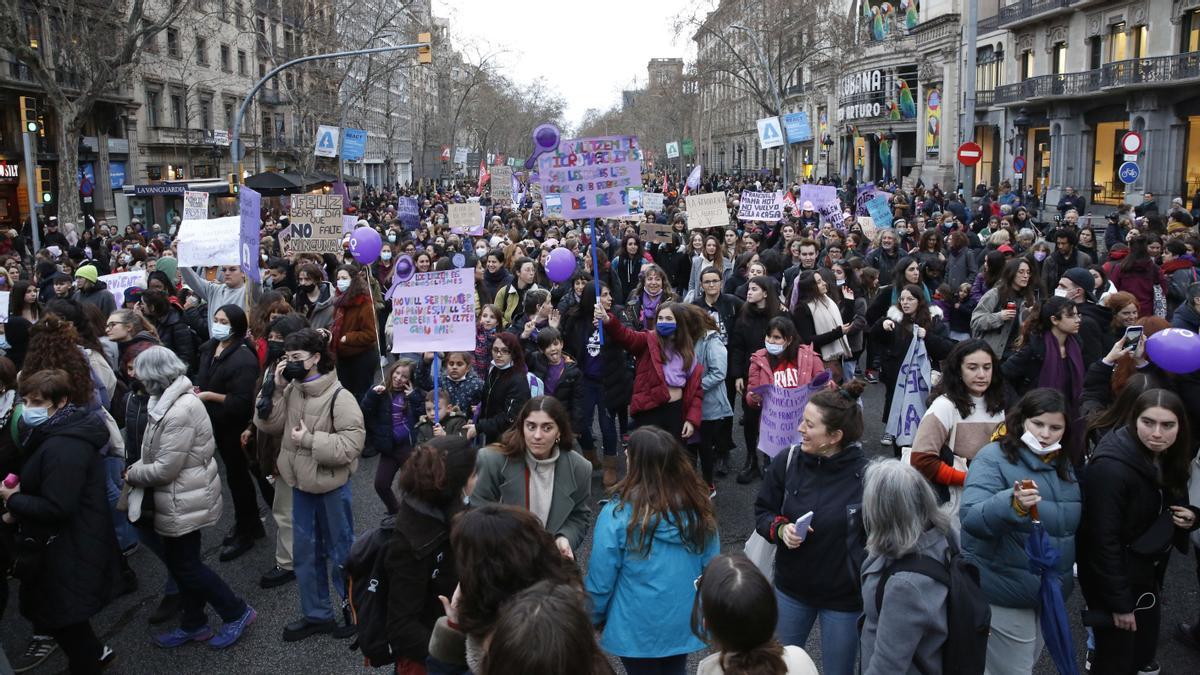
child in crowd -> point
(458, 379)
(447, 421)
(485, 332)
(559, 374)
(390, 412)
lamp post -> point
(762, 60)
(827, 144)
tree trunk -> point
(68, 133)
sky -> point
(592, 50)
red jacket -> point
(1140, 281)
(649, 386)
(808, 367)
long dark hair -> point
(1138, 252)
(662, 485)
(735, 611)
(682, 342)
(16, 300)
(437, 471)
(771, 289)
(954, 388)
(552, 616)
(921, 317)
(512, 441)
(1115, 415)
(1037, 402)
(1008, 278)
(1176, 458)
(840, 410)
(516, 351)
(1039, 322)
(787, 329)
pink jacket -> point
(808, 366)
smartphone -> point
(803, 524)
(1132, 335)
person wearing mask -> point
(816, 569)
(459, 380)
(353, 338)
(762, 305)
(217, 295)
(1135, 508)
(1013, 482)
(511, 297)
(436, 481)
(505, 390)
(907, 631)
(228, 368)
(62, 497)
(92, 291)
(1003, 309)
(1076, 285)
(178, 473)
(390, 411)
(314, 296)
(167, 319)
(323, 435)
(825, 318)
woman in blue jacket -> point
(390, 411)
(1026, 474)
(651, 542)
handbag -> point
(760, 551)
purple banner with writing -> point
(592, 175)
(250, 213)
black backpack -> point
(968, 615)
(367, 591)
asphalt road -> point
(123, 624)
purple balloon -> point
(365, 244)
(1175, 350)
(405, 269)
(560, 266)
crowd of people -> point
(631, 380)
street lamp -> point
(827, 144)
(762, 60)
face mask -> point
(773, 349)
(294, 370)
(220, 332)
(392, 238)
(1035, 446)
(1061, 292)
(480, 252)
(35, 416)
(343, 285)
(1039, 255)
(127, 258)
(665, 329)
(386, 255)
(264, 257)
(274, 349)
(497, 366)
(4, 343)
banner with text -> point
(707, 210)
(204, 243)
(825, 201)
(408, 212)
(652, 201)
(502, 191)
(316, 224)
(466, 218)
(195, 205)
(766, 206)
(592, 175)
(880, 210)
(249, 216)
(434, 311)
(782, 408)
(117, 283)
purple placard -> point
(782, 409)
(409, 213)
(593, 175)
(250, 211)
(825, 201)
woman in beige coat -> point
(178, 469)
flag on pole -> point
(664, 187)
(693, 179)
(790, 200)
(484, 176)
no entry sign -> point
(1131, 143)
(970, 153)
(1019, 164)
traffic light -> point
(29, 114)
(425, 54)
(233, 184)
(45, 188)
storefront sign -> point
(9, 172)
(150, 190)
(116, 175)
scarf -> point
(826, 318)
(1054, 369)
(650, 306)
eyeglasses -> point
(110, 324)
(499, 351)
(297, 358)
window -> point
(290, 81)
(239, 15)
(1095, 52)
(1117, 42)
(266, 130)
(154, 172)
(223, 9)
(1141, 38)
(262, 70)
(1026, 65)
(178, 117)
(260, 25)
(229, 113)
(206, 113)
(1191, 32)
(201, 51)
(242, 62)
(1059, 65)
(989, 68)
(153, 107)
(226, 65)
(150, 42)
(33, 27)
(173, 42)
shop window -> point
(1107, 184)
(154, 172)
(1118, 42)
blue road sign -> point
(798, 128)
(354, 144)
(1129, 172)
(1019, 164)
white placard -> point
(349, 223)
(434, 311)
(195, 205)
(652, 201)
(502, 192)
(117, 283)
(204, 243)
(4, 299)
(466, 218)
(707, 210)
(767, 206)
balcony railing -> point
(988, 24)
(1155, 71)
(1027, 11)
(985, 99)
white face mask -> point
(343, 285)
(497, 366)
(220, 332)
(773, 349)
(386, 255)
(1062, 292)
(481, 252)
(1035, 445)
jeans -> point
(198, 585)
(839, 632)
(323, 531)
(81, 646)
(593, 398)
(666, 665)
(152, 541)
(126, 533)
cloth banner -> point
(782, 408)
(204, 243)
(249, 230)
(908, 398)
(117, 283)
(693, 179)
(707, 210)
(592, 176)
(766, 206)
(434, 311)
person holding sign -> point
(231, 292)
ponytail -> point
(765, 659)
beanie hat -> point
(87, 272)
(1083, 279)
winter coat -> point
(1054, 266)
(1186, 317)
(453, 423)
(749, 337)
(988, 325)
(1122, 504)
(1140, 281)
(327, 454)
(569, 391)
(68, 558)
(320, 312)
(1180, 274)
(355, 323)
(643, 600)
(892, 346)
(420, 567)
(912, 618)
(377, 416)
(500, 479)
(650, 386)
(805, 325)
(100, 296)
(715, 358)
(884, 262)
(465, 393)
(824, 571)
(509, 300)
(504, 392)
(808, 366)
(961, 267)
(233, 373)
(581, 338)
(724, 312)
(177, 463)
(174, 334)
(994, 534)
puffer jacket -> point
(177, 463)
(808, 367)
(712, 354)
(994, 534)
(988, 325)
(327, 455)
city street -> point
(123, 625)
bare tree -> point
(80, 52)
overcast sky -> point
(590, 51)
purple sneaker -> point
(180, 637)
(231, 631)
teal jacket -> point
(644, 603)
(994, 534)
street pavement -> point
(123, 624)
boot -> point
(750, 470)
(610, 477)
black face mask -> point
(294, 370)
(274, 350)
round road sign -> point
(1129, 172)
(970, 153)
(1019, 164)
(1131, 143)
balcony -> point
(985, 99)
(1025, 12)
(15, 70)
(1130, 74)
(272, 96)
(988, 24)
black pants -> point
(668, 416)
(80, 645)
(241, 485)
(1122, 652)
(357, 373)
(752, 417)
(198, 585)
(707, 448)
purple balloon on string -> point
(365, 245)
(545, 139)
(560, 266)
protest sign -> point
(460, 155)
(707, 210)
(825, 201)
(593, 176)
(868, 228)
(315, 224)
(502, 191)
(466, 218)
(4, 299)
(655, 233)
(434, 311)
(766, 206)
(117, 283)
(204, 243)
(195, 205)
(249, 216)
(348, 224)
(865, 194)
(408, 212)
(909, 394)
(782, 408)
(652, 201)
(554, 209)
(881, 212)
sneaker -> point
(168, 608)
(231, 631)
(348, 628)
(180, 637)
(872, 376)
(107, 656)
(887, 440)
(1088, 659)
(1149, 669)
(276, 576)
(722, 467)
(303, 628)
(39, 649)
(712, 491)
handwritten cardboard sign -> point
(434, 311)
(766, 206)
(315, 224)
(707, 210)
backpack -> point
(968, 615)
(367, 592)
